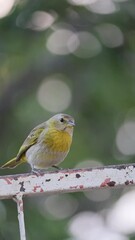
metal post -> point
(71, 180)
(19, 200)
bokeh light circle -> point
(57, 42)
(121, 217)
(6, 7)
(125, 138)
(60, 206)
(54, 95)
(110, 35)
(85, 44)
(41, 20)
(103, 7)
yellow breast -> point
(58, 141)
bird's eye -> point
(61, 120)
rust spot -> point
(22, 189)
(111, 183)
(129, 182)
(8, 180)
(15, 178)
(41, 190)
(37, 189)
(105, 183)
(78, 175)
(61, 177)
(48, 180)
(20, 205)
(81, 186)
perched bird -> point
(47, 145)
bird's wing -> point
(31, 139)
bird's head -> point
(62, 122)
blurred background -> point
(77, 57)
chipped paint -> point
(105, 183)
(78, 175)
(129, 182)
(22, 189)
(37, 189)
(18, 199)
(67, 180)
(48, 180)
(111, 183)
(73, 180)
(8, 180)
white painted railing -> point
(73, 180)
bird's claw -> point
(37, 172)
(56, 167)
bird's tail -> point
(12, 163)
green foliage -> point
(102, 88)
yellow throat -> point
(58, 141)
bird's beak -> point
(71, 123)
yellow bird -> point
(47, 145)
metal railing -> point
(73, 180)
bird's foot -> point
(56, 167)
(36, 171)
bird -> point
(47, 145)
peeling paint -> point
(8, 180)
(61, 177)
(22, 189)
(70, 180)
(20, 205)
(111, 183)
(129, 182)
(48, 180)
(67, 180)
(19, 201)
(105, 183)
(78, 175)
(37, 189)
